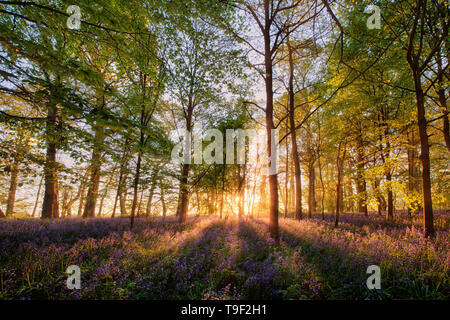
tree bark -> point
(148, 209)
(222, 192)
(96, 163)
(361, 181)
(135, 189)
(49, 205)
(241, 189)
(286, 200)
(340, 166)
(295, 156)
(414, 63)
(123, 167)
(311, 190)
(37, 197)
(413, 172)
(163, 203)
(443, 102)
(12, 189)
(184, 191)
(425, 159)
(273, 177)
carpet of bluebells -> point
(209, 258)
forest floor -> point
(209, 258)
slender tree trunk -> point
(295, 156)
(102, 200)
(311, 190)
(390, 197)
(12, 189)
(184, 190)
(135, 189)
(148, 210)
(286, 200)
(320, 169)
(262, 206)
(340, 167)
(65, 200)
(37, 197)
(123, 167)
(273, 177)
(49, 204)
(140, 203)
(137, 177)
(413, 170)
(198, 203)
(414, 63)
(425, 159)
(222, 192)
(241, 189)
(82, 198)
(96, 163)
(443, 102)
(323, 189)
(361, 181)
(163, 203)
(184, 200)
(390, 202)
(56, 203)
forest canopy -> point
(92, 93)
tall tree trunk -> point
(163, 203)
(96, 163)
(184, 190)
(425, 159)
(443, 102)
(241, 189)
(340, 167)
(140, 203)
(123, 203)
(390, 197)
(12, 188)
(137, 176)
(123, 167)
(286, 200)
(184, 196)
(105, 193)
(65, 200)
(323, 189)
(262, 206)
(148, 210)
(414, 63)
(295, 156)
(273, 177)
(222, 192)
(320, 169)
(56, 203)
(82, 198)
(311, 190)
(413, 172)
(360, 180)
(198, 203)
(49, 204)
(135, 189)
(37, 197)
